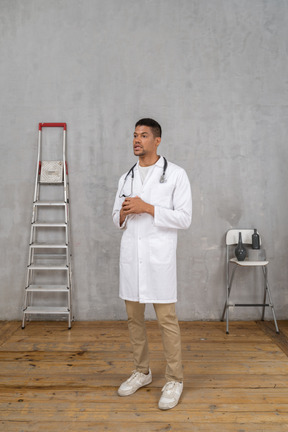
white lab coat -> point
(148, 245)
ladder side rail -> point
(30, 255)
(32, 240)
(67, 195)
(66, 235)
(69, 287)
(67, 255)
(69, 249)
(34, 213)
(31, 233)
(67, 230)
(65, 167)
(67, 214)
(27, 277)
(38, 169)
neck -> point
(145, 162)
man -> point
(152, 202)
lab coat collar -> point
(159, 163)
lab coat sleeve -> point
(117, 207)
(181, 215)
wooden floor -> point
(56, 380)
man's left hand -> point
(136, 206)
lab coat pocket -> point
(162, 195)
(161, 250)
(126, 249)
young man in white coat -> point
(153, 201)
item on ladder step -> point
(48, 290)
(51, 172)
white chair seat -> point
(248, 263)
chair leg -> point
(224, 311)
(226, 306)
(227, 321)
(270, 300)
(265, 293)
(275, 321)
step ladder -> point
(48, 288)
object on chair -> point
(255, 240)
(240, 250)
(245, 235)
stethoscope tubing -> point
(131, 171)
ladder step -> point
(50, 224)
(49, 310)
(47, 288)
(49, 246)
(60, 183)
(49, 203)
(48, 267)
(49, 256)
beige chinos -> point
(171, 338)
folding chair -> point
(232, 264)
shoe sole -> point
(129, 394)
(167, 408)
(163, 408)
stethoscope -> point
(131, 171)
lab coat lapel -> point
(138, 183)
(154, 173)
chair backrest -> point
(232, 236)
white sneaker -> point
(171, 393)
(136, 381)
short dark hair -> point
(153, 124)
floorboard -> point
(55, 379)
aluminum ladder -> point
(48, 290)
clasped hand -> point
(133, 206)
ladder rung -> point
(252, 304)
(49, 203)
(49, 246)
(51, 182)
(47, 288)
(49, 310)
(48, 267)
(50, 256)
(49, 224)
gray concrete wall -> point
(212, 72)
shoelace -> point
(169, 386)
(134, 375)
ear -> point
(157, 141)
